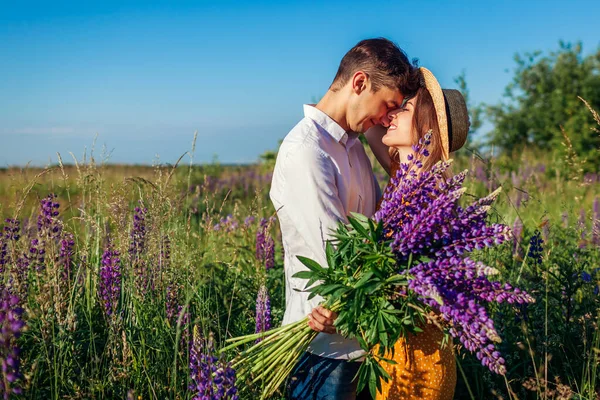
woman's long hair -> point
(425, 120)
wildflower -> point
(47, 222)
(249, 221)
(10, 232)
(265, 245)
(212, 378)
(456, 287)
(137, 248)
(12, 326)
(586, 277)
(65, 255)
(535, 248)
(110, 280)
(263, 310)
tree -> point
(543, 99)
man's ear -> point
(360, 82)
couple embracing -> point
(323, 174)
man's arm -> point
(310, 199)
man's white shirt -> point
(321, 175)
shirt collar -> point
(327, 123)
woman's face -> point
(400, 131)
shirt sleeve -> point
(310, 200)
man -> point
(321, 175)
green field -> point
(187, 260)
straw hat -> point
(451, 111)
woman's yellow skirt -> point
(423, 371)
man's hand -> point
(321, 320)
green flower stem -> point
(238, 341)
(293, 341)
(285, 369)
(264, 348)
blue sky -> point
(144, 76)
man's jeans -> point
(320, 378)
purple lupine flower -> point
(47, 222)
(11, 328)
(536, 248)
(19, 283)
(421, 217)
(265, 244)
(596, 222)
(263, 311)
(10, 232)
(37, 255)
(212, 378)
(65, 256)
(226, 224)
(456, 287)
(109, 286)
(137, 248)
(249, 220)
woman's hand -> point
(322, 319)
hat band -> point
(449, 120)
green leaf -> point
(303, 274)
(360, 217)
(330, 254)
(359, 228)
(364, 279)
(312, 265)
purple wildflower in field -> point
(137, 248)
(249, 220)
(456, 287)
(265, 245)
(212, 378)
(10, 232)
(37, 255)
(110, 280)
(263, 311)
(421, 215)
(12, 229)
(535, 248)
(586, 277)
(47, 221)
(11, 328)
(65, 256)
(226, 224)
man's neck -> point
(333, 105)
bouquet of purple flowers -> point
(385, 275)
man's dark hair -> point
(385, 64)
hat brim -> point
(437, 95)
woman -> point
(423, 369)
